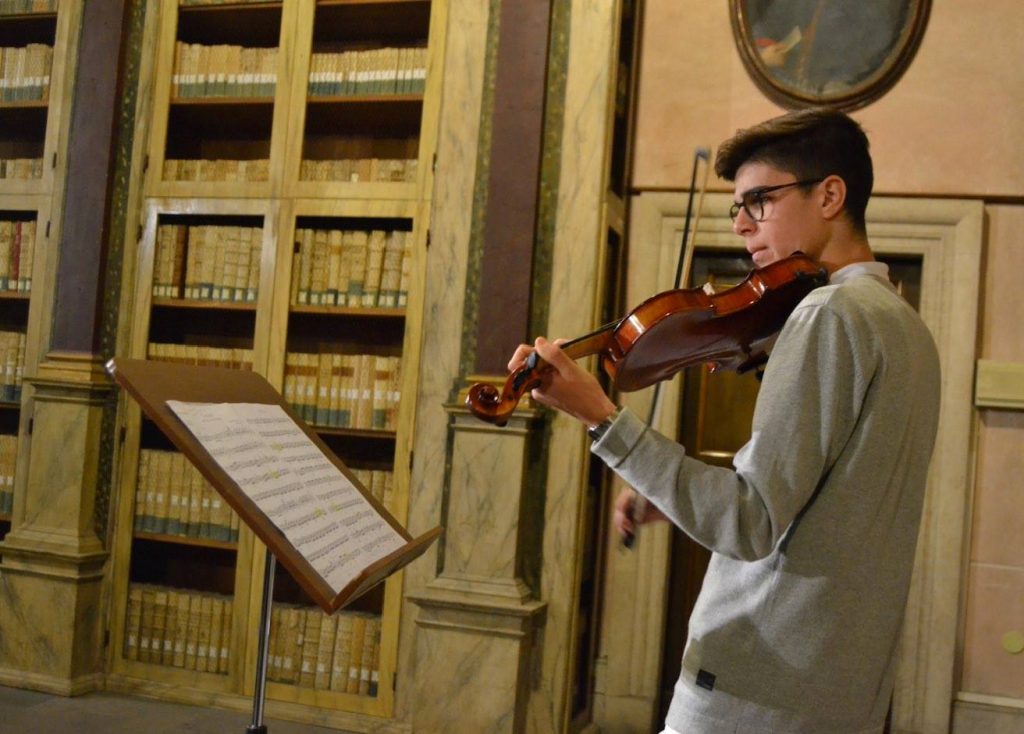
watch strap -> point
(598, 431)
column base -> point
(488, 653)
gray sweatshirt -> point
(813, 532)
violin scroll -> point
(487, 404)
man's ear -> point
(833, 199)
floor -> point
(29, 712)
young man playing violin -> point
(813, 530)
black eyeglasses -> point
(754, 201)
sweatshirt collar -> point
(871, 268)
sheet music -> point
(330, 523)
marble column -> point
(54, 556)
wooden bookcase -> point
(286, 151)
(35, 39)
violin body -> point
(673, 330)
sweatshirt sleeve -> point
(808, 404)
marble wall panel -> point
(482, 522)
(61, 656)
(55, 498)
(479, 689)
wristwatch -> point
(596, 432)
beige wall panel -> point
(948, 127)
(995, 599)
(998, 523)
(1002, 310)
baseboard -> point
(977, 714)
(51, 684)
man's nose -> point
(743, 223)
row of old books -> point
(223, 71)
(21, 168)
(23, 7)
(225, 2)
(359, 170)
(8, 459)
(201, 355)
(379, 482)
(344, 390)
(352, 170)
(354, 268)
(378, 71)
(183, 629)
(173, 498)
(25, 72)
(12, 365)
(17, 251)
(336, 653)
(207, 262)
(207, 170)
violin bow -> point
(684, 265)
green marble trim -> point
(551, 164)
(113, 277)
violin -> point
(673, 330)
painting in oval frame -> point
(837, 53)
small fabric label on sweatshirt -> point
(705, 680)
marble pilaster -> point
(494, 618)
(478, 620)
(52, 569)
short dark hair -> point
(811, 143)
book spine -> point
(310, 646)
(181, 629)
(325, 651)
(133, 622)
(342, 652)
(223, 665)
(356, 646)
(146, 623)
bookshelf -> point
(18, 237)
(284, 177)
(34, 38)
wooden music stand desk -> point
(153, 383)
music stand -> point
(152, 384)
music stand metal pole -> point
(259, 695)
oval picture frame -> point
(804, 53)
